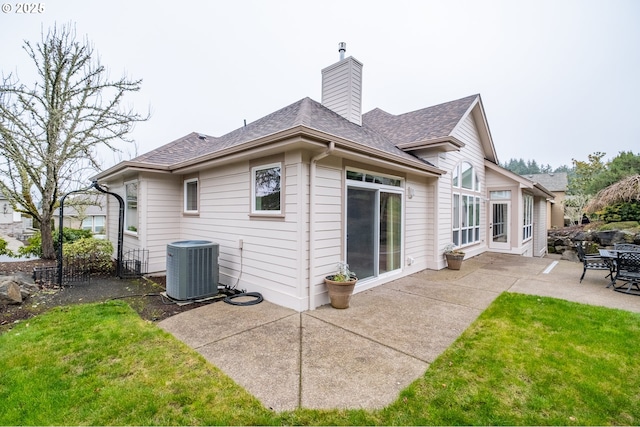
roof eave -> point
(538, 189)
(129, 165)
(444, 143)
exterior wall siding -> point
(539, 231)
(269, 261)
(342, 89)
(418, 230)
(474, 154)
(162, 217)
(328, 225)
(556, 213)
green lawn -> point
(526, 361)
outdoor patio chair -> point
(626, 247)
(627, 271)
(592, 262)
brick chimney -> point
(342, 87)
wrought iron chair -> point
(626, 247)
(592, 262)
(627, 271)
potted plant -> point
(454, 256)
(340, 285)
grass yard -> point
(526, 361)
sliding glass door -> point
(374, 231)
(390, 231)
(361, 233)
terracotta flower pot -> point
(340, 292)
(454, 261)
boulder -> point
(582, 236)
(609, 238)
(570, 255)
(10, 292)
(8, 285)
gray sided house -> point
(290, 195)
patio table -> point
(609, 257)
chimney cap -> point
(342, 48)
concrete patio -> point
(362, 357)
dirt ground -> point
(143, 295)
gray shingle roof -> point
(421, 125)
(380, 130)
(556, 181)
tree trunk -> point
(46, 233)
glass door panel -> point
(500, 224)
(390, 231)
(361, 231)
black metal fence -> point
(135, 263)
(76, 269)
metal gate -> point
(78, 269)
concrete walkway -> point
(13, 245)
(362, 357)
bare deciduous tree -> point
(50, 133)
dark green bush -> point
(96, 252)
(628, 211)
(69, 235)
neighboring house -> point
(6, 211)
(557, 183)
(10, 221)
(290, 195)
(87, 212)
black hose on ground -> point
(257, 295)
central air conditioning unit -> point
(192, 269)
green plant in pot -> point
(340, 285)
(454, 256)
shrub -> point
(33, 246)
(3, 248)
(69, 235)
(95, 252)
(626, 211)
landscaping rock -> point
(565, 239)
(609, 238)
(20, 281)
(570, 255)
(10, 292)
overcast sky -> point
(559, 79)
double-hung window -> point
(266, 186)
(465, 205)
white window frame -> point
(127, 216)
(254, 169)
(187, 183)
(91, 223)
(527, 220)
(465, 206)
(381, 183)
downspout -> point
(312, 218)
